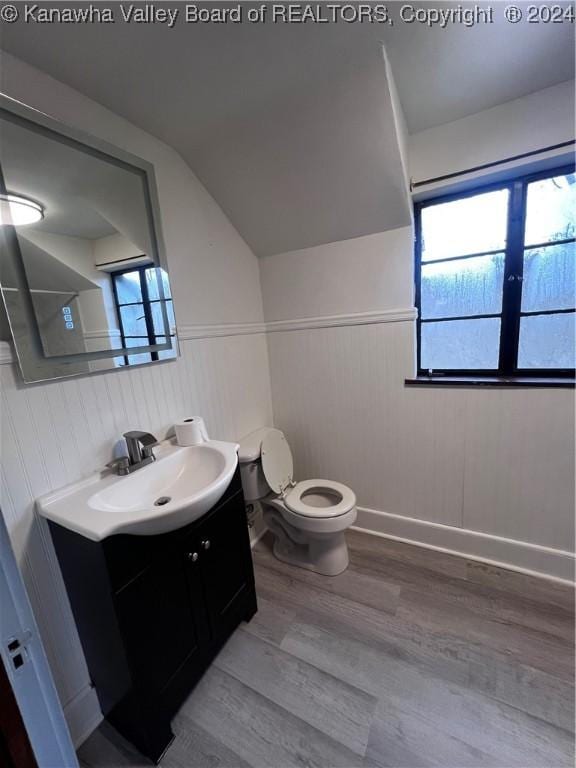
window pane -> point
(171, 318)
(128, 287)
(166, 354)
(469, 225)
(133, 321)
(139, 359)
(145, 357)
(549, 278)
(462, 287)
(158, 319)
(162, 339)
(460, 344)
(153, 275)
(550, 208)
(547, 341)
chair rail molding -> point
(402, 315)
(186, 332)
(213, 330)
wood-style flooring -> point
(410, 658)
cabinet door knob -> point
(192, 556)
(206, 543)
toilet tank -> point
(254, 483)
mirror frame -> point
(31, 118)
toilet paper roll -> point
(191, 431)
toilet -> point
(307, 519)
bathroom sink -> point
(178, 488)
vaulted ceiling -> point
(290, 126)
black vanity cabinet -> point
(153, 611)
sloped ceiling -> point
(290, 127)
(45, 271)
(446, 73)
(319, 164)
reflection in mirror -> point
(143, 300)
(83, 282)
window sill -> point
(490, 381)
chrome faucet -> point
(140, 453)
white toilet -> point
(307, 519)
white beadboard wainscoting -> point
(484, 472)
(57, 432)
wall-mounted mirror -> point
(82, 270)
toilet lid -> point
(277, 461)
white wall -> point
(496, 461)
(96, 304)
(368, 273)
(542, 119)
(116, 247)
(56, 433)
(486, 472)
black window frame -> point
(146, 304)
(511, 313)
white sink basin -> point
(179, 487)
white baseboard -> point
(532, 559)
(83, 715)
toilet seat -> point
(326, 498)
(314, 499)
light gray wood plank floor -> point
(410, 658)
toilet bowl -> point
(308, 518)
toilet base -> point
(325, 553)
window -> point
(495, 279)
(139, 302)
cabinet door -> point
(162, 620)
(226, 565)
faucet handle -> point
(147, 452)
(120, 464)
